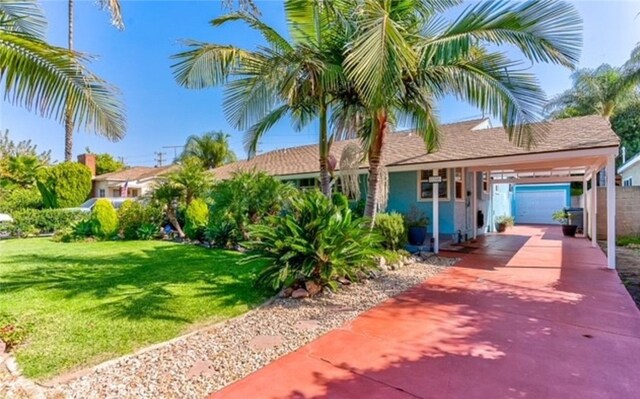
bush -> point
(11, 333)
(16, 198)
(130, 219)
(79, 230)
(317, 240)
(28, 222)
(147, 231)
(196, 218)
(223, 233)
(391, 227)
(65, 185)
(104, 219)
(248, 198)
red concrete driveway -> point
(528, 314)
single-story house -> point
(453, 184)
(630, 172)
(138, 180)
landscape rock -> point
(201, 367)
(3, 346)
(12, 366)
(312, 287)
(343, 280)
(382, 263)
(285, 292)
(300, 293)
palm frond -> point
(23, 16)
(254, 134)
(268, 33)
(46, 78)
(113, 7)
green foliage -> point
(78, 230)
(247, 198)
(212, 149)
(506, 220)
(147, 231)
(628, 241)
(358, 207)
(223, 233)
(65, 185)
(105, 163)
(28, 222)
(130, 219)
(11, 332)
(192, 179)
(316, 240)
(196, 218)
(391, 226)
(626, 124)
(104, 219)
(16, 198)
(20, 171)
(562, 216)
(340, 200)
(416, 218)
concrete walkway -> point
(528, 314)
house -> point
(138, 180)
(630, 172)
(453, 185)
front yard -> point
(87, 302)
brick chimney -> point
(88, 160)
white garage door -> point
(536, 207)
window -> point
(305, 184)
(485, 182)
(458, 177)
(133, 192)
(102, 193)
(115, 192)
(628, 182)
(425, 189)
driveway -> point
(527, 314)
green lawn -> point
(88, 302)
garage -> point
(534, 204)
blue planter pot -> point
(417, 235)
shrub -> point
(130, 218)
(391, 227)
(11, 333)
(223, 233)
(248, 198)
(508, 221)
(65, 185)
(16, 198)
(79, 230)
(147, 231)
(28, 222)
(104, 219)
(196, 218)
(317, 240)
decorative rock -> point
(12, 366)
(285, 292)
(3, 346)
(300, 293)
(306, 325)
(262, 342)
(201, 367)
(382, 263)
(312, 287)
(343, 280)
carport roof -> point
(459, 141)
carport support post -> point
(474, 209)
(611, 212)
(594, 208)
(584, 207)
(436, 215)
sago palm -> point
(212, 149)
(51, 80)
(113, 7)
(403, 57)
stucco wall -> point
(627, 211)
(633, 172)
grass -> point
(87, 302)
(628, 241)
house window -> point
(628, 182)
(425, 189)
(102, 193)
(458, 177)
(309, 183)
(115, 192)
(133, 192)
(485, 182)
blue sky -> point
(161, 114)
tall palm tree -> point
(113, 7)
(212, 149)
(52, 80)
(600, 91)
(403, 57)
(294, 78)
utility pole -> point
(160, 158)
(175, 150)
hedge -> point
(28, 222)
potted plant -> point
(502, 222)
(417, 223)
(564, 217)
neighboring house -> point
(472, 160)
(630, 172)
(138, 180)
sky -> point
(162, 114)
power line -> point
(175, 150)
(159, 158)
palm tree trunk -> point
(68, 118)
(375, 157)
(171, 215)
(325, 178)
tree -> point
(626, 124)
(106, 163)
(296, 78)
(113, 7)
(51, 80)
(169, 195)
(64, 185)
(600, 91)
(191, 178)
(212, 149)
(403, 57)
(20, 162)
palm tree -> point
(192, 178)
(403, 57)
(168, 195)
(212, 149)
(294, 78)
(600, 91)
(51, 80)
(113, 7)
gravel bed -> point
(206, 361)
